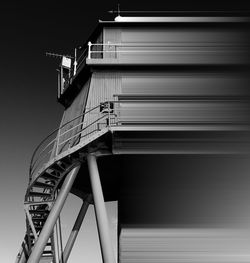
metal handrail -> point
(86, 127)
(172, 44)
(54, 132)
(39, 160)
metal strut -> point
(53, 216)
(100, 211)
(75, 230)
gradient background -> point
(29, 110)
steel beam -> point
(53, 216)
(55, 245)
(75, 230)
(21, 258)
(100, 211)
(59, 229)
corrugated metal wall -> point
(183, 191)
(176, 45)
(184, 98)
(98, 48)
(74, 110)
(102, 88)
(184, 83)
(112, 36)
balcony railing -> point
(113, 50)
(183, 53)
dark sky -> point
(28, 82)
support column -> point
(75, 230)
(59, 227)
(55, 241)
(100, 211)
(53, 216)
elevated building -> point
(160, 107)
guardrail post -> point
(109, 108)
(89, 50)
(75, 62)
(58, 141)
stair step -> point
(38, 211)
(46, 259)
(66, 161)
(43, 185)
(46, 252)
(50, 176)
(62, 165)
(57, 168)
(38, 227)
(39, 194)
(32, 237)
(40, 219)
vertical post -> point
(75, 62)
(55, 241)
(58, 141)
(62, 80)
(60, 237)
(58, 84)
(100, 211)
(89, 50)
(75, 230)
(109, 108)
(53, 216)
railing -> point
(97, 50)
(69, 134)
(111, 51)
(114, 49)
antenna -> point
(118, 9)
(57, 55)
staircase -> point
(39, 200)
